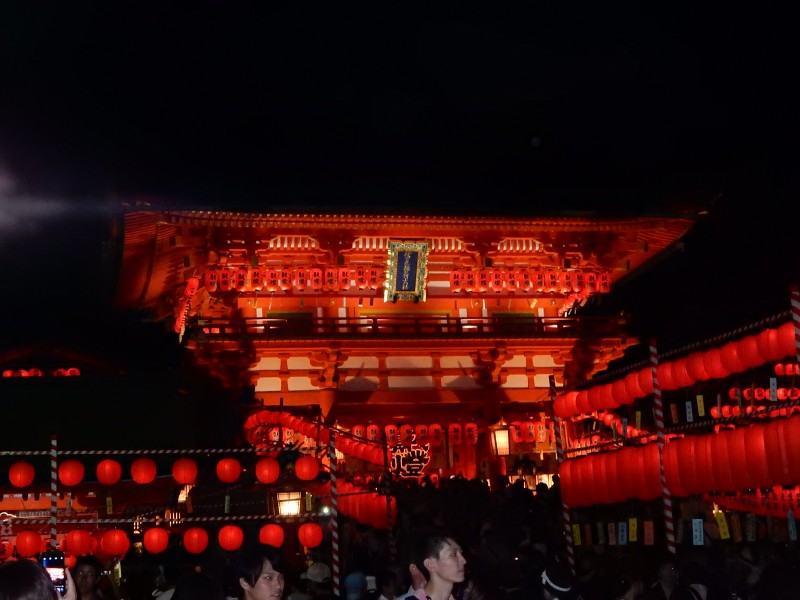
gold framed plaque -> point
(407, 272)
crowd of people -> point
(454, 540)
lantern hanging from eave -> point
(436, 433)
(285, 281)
(516, 432)
(696, 367)
(268, 470)
(344, 278)
(375, 278)
(226, 280)
(712, 359)
(310, 535)
(470, 280)
(156, 540)
(359, 431)
(230, 537)
(391, 434)
(729, 353)
(497, 280)
(184, 471)
(28, 543)
(373, 433)
(768, 347)
(21, 474)
(306, 468)
(330, 282)
(454, 434)
(484, 276)
(143, 470)
(256, 279)
(70, 472)
(456, 281)
(529, 431)
(471, 433)
(421, 434)
(525, 280)
(228, 470)
(748, 352)
(211, 281)
(271, 535)
(115, 542)
(315, 278)
(301, 279)
(195, 540)
(240, 279)
(109, 471)
(406, 434)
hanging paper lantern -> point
(306, 468)
(391, 435)
(271, 535)
(359, 431)
(471, 433)
(268, 470)
(29, 543)
(421, 433)
(529, 431)
(70, 472)
(680, 374)
(633, 387)
(143, 470)
(582, 402)
(156, 540)
(695, 367)
(115, 542)
(228, 470)
(730, 358)
(230, 537)
(436, 434)
(712, 359)
(406, 434)
(786, 342)
(373, 433)
(109, 471)
(195, 540)
(516, 431)
(454, 433)
(184, 471)
(748, 352)
(21, 474)
(310, 535)
(78, 542)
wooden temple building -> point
(425, 326)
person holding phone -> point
(27, 580)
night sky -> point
(425, 108)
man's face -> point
(268, 586)
(450, 563)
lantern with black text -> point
(375, 278)
(226, 280)
(315, 279)
(21, 474)
(436, 433)
(456, 279)
(551, 280)
(421, 433)
(300, 279)
(373, 433)
(516, 432)
(156, 540)
(470, 281)
(273, 280)
(525, 280)
(211, 281)
(359, 431)
(310, 535)
(512, 280)
(344, 278)
(392, 434)
(454, 434)
(361, 278)
(256, 279)
(406, 434)
(285, 281)
(271, 535)
(240, 280)
(330, 283)
(471, 433)
(497, 281)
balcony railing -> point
(286, 328)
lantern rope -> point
(53, 492)
(139, 519)
(565, 513)
(334, 517)
(658, 411)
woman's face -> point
(268, 586)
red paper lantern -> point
(195, 540)
(29, 543)
(306, 468)
(156, 540)
(406, 434)
(767, 342)
(471, 433)
(184, 471)
(115, 542)
(310, 535)
(712, 360)
(749, 353)
(730, 358)
(421, 433)
(271, 535)
(620, 393)
(109, 471)
(230, 537)
(437, 435)
(582, 402)
(268, 470)
(516, 431)
(21, 474)
(373, 433)
(359, 431)
(70, 472)
(645, 379)
(143, 470)
(454, 433)
(695, 366)
(633, 387)
(228, 470)
(391, 435)
(786, 343)
(79, 542)
(680, 374)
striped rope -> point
(658, 411)
(118, 521)
(795, 298)
(566, 517)
(53, 492)
(334, 518)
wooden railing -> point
(402, 326)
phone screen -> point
(53, 562)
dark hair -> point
(250, 563)
(198, 586)
(88, 560)
(25, 580)
(429, 546)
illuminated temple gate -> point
(408, 323)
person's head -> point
(668, 573)
(355, 585)
(389, 584)
(198, 586)
(440, 559)
(86, 573)
(318, 579)
(557, 581)
(25, 580)
(259, 574)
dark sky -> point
(424, 107)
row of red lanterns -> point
(759, 393)
(369, 508)
(734, 357)
(36, 372)
(115, 542)
(406, 434)
(143, 470)
(529, 280)
(255, 279)
(757, 456)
